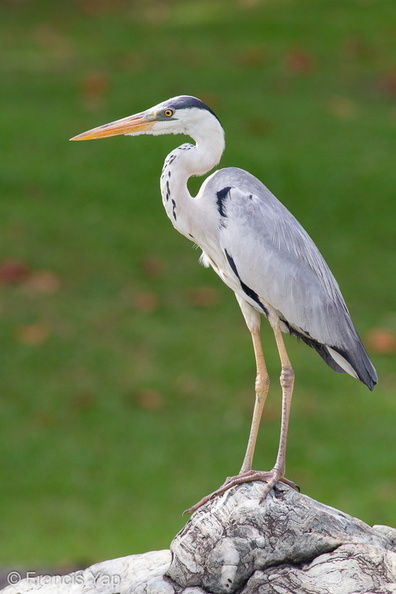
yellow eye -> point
(168, 113)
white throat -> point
(184, 162)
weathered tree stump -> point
(288, 544)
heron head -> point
(179, 115)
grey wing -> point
(275, 260)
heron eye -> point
(168, 113)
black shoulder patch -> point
(222, 196)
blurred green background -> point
(126, 370)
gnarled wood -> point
(289, 544)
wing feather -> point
(276, 258)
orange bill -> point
(130, 125)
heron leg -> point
(246, 474)
(287, 384)
(261, 389)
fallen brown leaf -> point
(254, 57)
(43, 281)
(94, 90)
(203, 296)
(150, 399)
(300, 61)
(388, 84)
(153, 266)
(33, 334)
(381, 340)
(258, 126)
(145, 301)
(83, 401)
(13, 272)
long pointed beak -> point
(134, 124)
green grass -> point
(126, 394)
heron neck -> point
(184, 162)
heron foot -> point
(270, 477)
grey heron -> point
(260, 251)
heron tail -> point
(354, 360)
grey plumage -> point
(287, 271)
